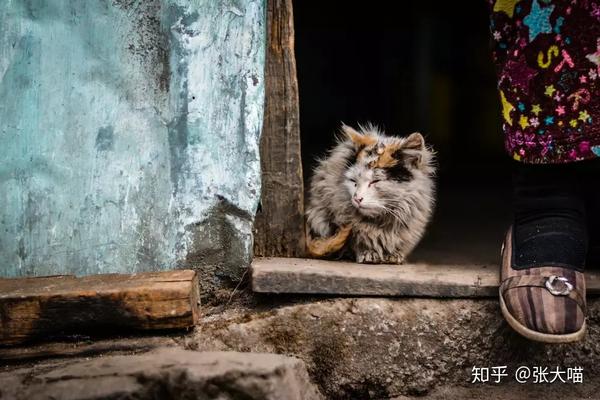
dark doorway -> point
(413, 66)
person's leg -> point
(547, 56)
(542, 294)
(549, 226)
(591, 185)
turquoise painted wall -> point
(129, 134)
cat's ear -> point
(360, 140)
(414, 141)
(412, 149)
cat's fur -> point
(372, 195)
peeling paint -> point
(129, 134)
(105, 138)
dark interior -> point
(413, 66)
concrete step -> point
(167, 373)
(554, 391)
(303, 275)
(379, 348)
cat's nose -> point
(358, 199)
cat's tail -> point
(322, 247)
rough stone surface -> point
(167, 373)
(373, 348)
(513, 390)
(366, 348)
(129, 135)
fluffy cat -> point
(372, 196)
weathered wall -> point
(129, 135)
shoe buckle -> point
(558, 285)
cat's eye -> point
(373, 182)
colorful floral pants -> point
(547, 54)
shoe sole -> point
(539, 336)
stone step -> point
(513, 390)
(165, 373)
(302, 275)
(380, 348)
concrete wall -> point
(129, 135)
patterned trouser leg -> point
(547, 55)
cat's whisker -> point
(392, 212)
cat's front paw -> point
(372, 257)
(368, 257)
(393, 259)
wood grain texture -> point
(33, 308)
(297, 275)
(279, 225)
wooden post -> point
(279, 226)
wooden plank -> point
(31, 308)
(82, 347)
(299, 275)
(279, 225)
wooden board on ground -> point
(84, 347)
(301, 275)
(41, 307)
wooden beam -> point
(279, 225)
(300, 275)
(32, 308)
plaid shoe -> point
(545, 303)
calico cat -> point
(371, 197)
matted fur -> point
(373, 196)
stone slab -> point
(381, 348)
(302, 275)
(166, 373)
